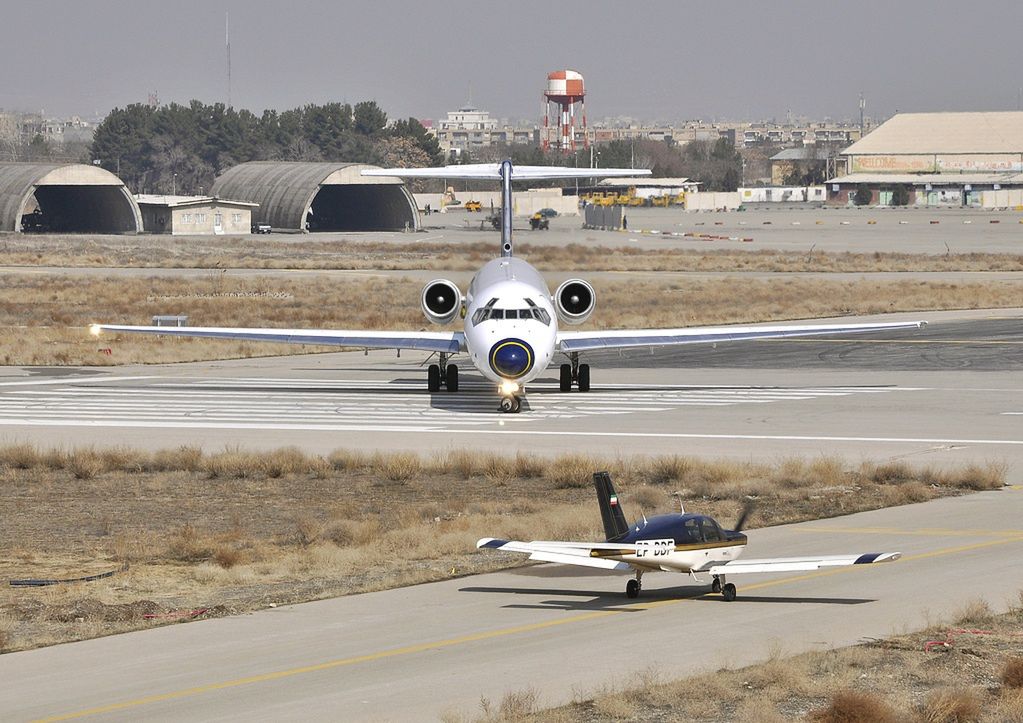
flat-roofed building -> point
(195, 215)
(941, 158)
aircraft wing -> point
(796, 564)
(576, 341)
(492, 171)
(448, 342)
(566, 553)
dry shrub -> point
(573, 470)
(19, 456)
(284, 461)
(84, 464)
(669, 470)
(951, 705)
(308, 530)
(346, 459)
(7, 625)
(648, 497)
(614, 706)
(1012, 673)
(853, 706)
(1010, 706)
(906, 493)
(188, 545)
(461, 462)
(828, 471)
(352, 532)
(227, 556)
(231, 463)
(123, 459)
(974, 614)
(890, 473)
(185, 458)
(528, 466)
(976, 477)
(400, 467)
(518, 705)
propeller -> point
(743, 516)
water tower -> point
(564, 91)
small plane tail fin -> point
(615, 526)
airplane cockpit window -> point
(488, 311)
(539, 314)
(711, 533)
(690, 533)
(484, 312)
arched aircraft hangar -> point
(320, 196)
(65, 198)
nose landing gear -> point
(510, 404)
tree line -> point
(182, 148)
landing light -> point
(509, 388)
(94, 329)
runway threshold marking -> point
(971, 342)
(71, 380)
(487, 635)
(922, 532)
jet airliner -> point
(510, 319)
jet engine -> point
(574, 301)
(441, 301)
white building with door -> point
(195, 215)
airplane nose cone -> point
(511, 358)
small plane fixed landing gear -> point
(633, 586)
(442, 373)
(726, 589)
(574, 373)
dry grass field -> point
(304, 252)
(194, 534)
(44, 318)
(967, 670)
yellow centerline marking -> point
(476, 637)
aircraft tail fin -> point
(615, 526)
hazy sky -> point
(650, 60)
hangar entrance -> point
(360, 207)
(65, 198)
(81, 209)
(320, 196)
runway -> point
(432, 650)
(948, 394)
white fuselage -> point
(511, 326)
(664, 555)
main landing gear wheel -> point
(566, 377)
(451, 378)
(433, 378)
(583, 381)
(632, 588)
(728, 592)
(510, 405)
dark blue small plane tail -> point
(615, 526)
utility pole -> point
(863, 104)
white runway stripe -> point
(351, 404)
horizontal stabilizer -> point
(493, 171)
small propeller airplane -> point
(680, 542)
(510, 330)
